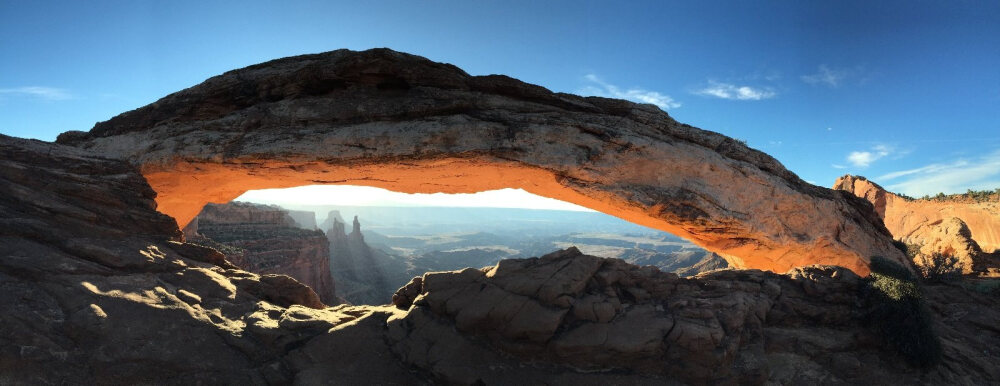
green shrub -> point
(896, 310)
(938, 268)
(885, 267)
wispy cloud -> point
(950, 177)
(735, 92)
(863, 159)
(599, 87)
(47, 93)
(831, 77)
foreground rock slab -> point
(398, 121)
(96, 289)
(604, 316)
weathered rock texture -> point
(96, 289)
(707, 262)
(266, 240)
(968, 234)
(605, 316)
(366, 275)
(304, 219)
(392, 120)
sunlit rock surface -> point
(97, 289)
(267, 240)
(969, 233)
(398, 121)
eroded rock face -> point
(604, 316)
(366, 275)
(267, 240)
(388, 119)
(966, 234)
(96, 289)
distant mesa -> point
(397, 121)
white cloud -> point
(827, 76)
(863, 159)
(835, 166)
(603, 89)
(952, 177)
(932, 168)
(734, 92)
(47, 93)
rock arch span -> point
(401, 122)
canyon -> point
(267, 240)
(397, 121)
(966, 235)
(101, 286)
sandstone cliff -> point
(266, 240)
(98, 289)
(333, 215)
(966, 232)
(398, 121)
(365, 275)
(304, 219)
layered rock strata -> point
(267, 240)
(304, 219)
(967, 235)
(97, 289)
(366, 275)
(397, 121)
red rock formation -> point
(365, 275)
(603, 315)
(304, 219)
(966, 232)
(397, 121)
(96, 289)
(267, 240)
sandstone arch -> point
(397, 121)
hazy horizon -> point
(351, 195)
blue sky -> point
(905, 93)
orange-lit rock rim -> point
(401, 122)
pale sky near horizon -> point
(348, 195)
(906, 93)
